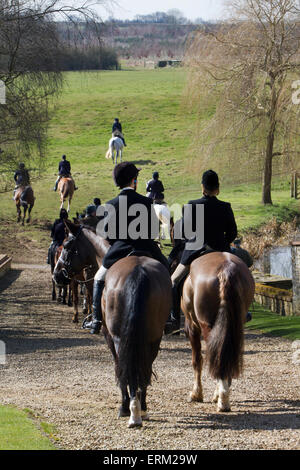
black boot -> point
(173, 322)
(96, 323)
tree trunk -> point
(267, 177)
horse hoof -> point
(195, 398)
(145, 416)
(75, 320)
(135, 424)
(123, 413)
(223, 410)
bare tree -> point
(30, 72)
(245, 68)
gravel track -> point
(66, 376)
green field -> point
(272, 324)
(159, 130)
(19, 432)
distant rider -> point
(64, 171)
(155, 188)
(58, 233)
(117, 130)
(21, 177)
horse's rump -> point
(137, 316)
(66, 186)
(223, 290)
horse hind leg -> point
(29, 215)
(135, 419)
(195, 339)
(221, 396)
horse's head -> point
(75, 256)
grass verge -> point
(18, 431)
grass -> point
(159, 131)
(19, 432)
(272, 324)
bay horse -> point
(215, 300)
(116, 144)
(136, 303)
(24, 197)
(66, 189)
(62, 290)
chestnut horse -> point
(66, 189)
(215, 300)
(24, 197)
(135, 303)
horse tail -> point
(226, 339)
(134, 355)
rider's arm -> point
(231, 228)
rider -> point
(64, 170)
(123, 244)
(91, 219)
(117, 130)
(219, 231)
(58, 233)
(155, 188)
(21, 177)
(97, 202)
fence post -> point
(296, 276)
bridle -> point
(68, 254)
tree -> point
(248, 65)
(30, 72)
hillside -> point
(159, 131)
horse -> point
(63, 290)
(24, 197)
(215, 300)
(135, 303)
(166, 221)
(66, 189)
(115, 144)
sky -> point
(191, 9)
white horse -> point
(165, 219)
(115, 145)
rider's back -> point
(219, 224)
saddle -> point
(24, 195)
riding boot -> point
(95, 324)
(173, 322)
(55, 187)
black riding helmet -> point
(124, 173)
(63, 214)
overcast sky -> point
(191, 9)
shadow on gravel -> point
(9, 279)
(283, 415)
(27, 342)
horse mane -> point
(101, 245)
